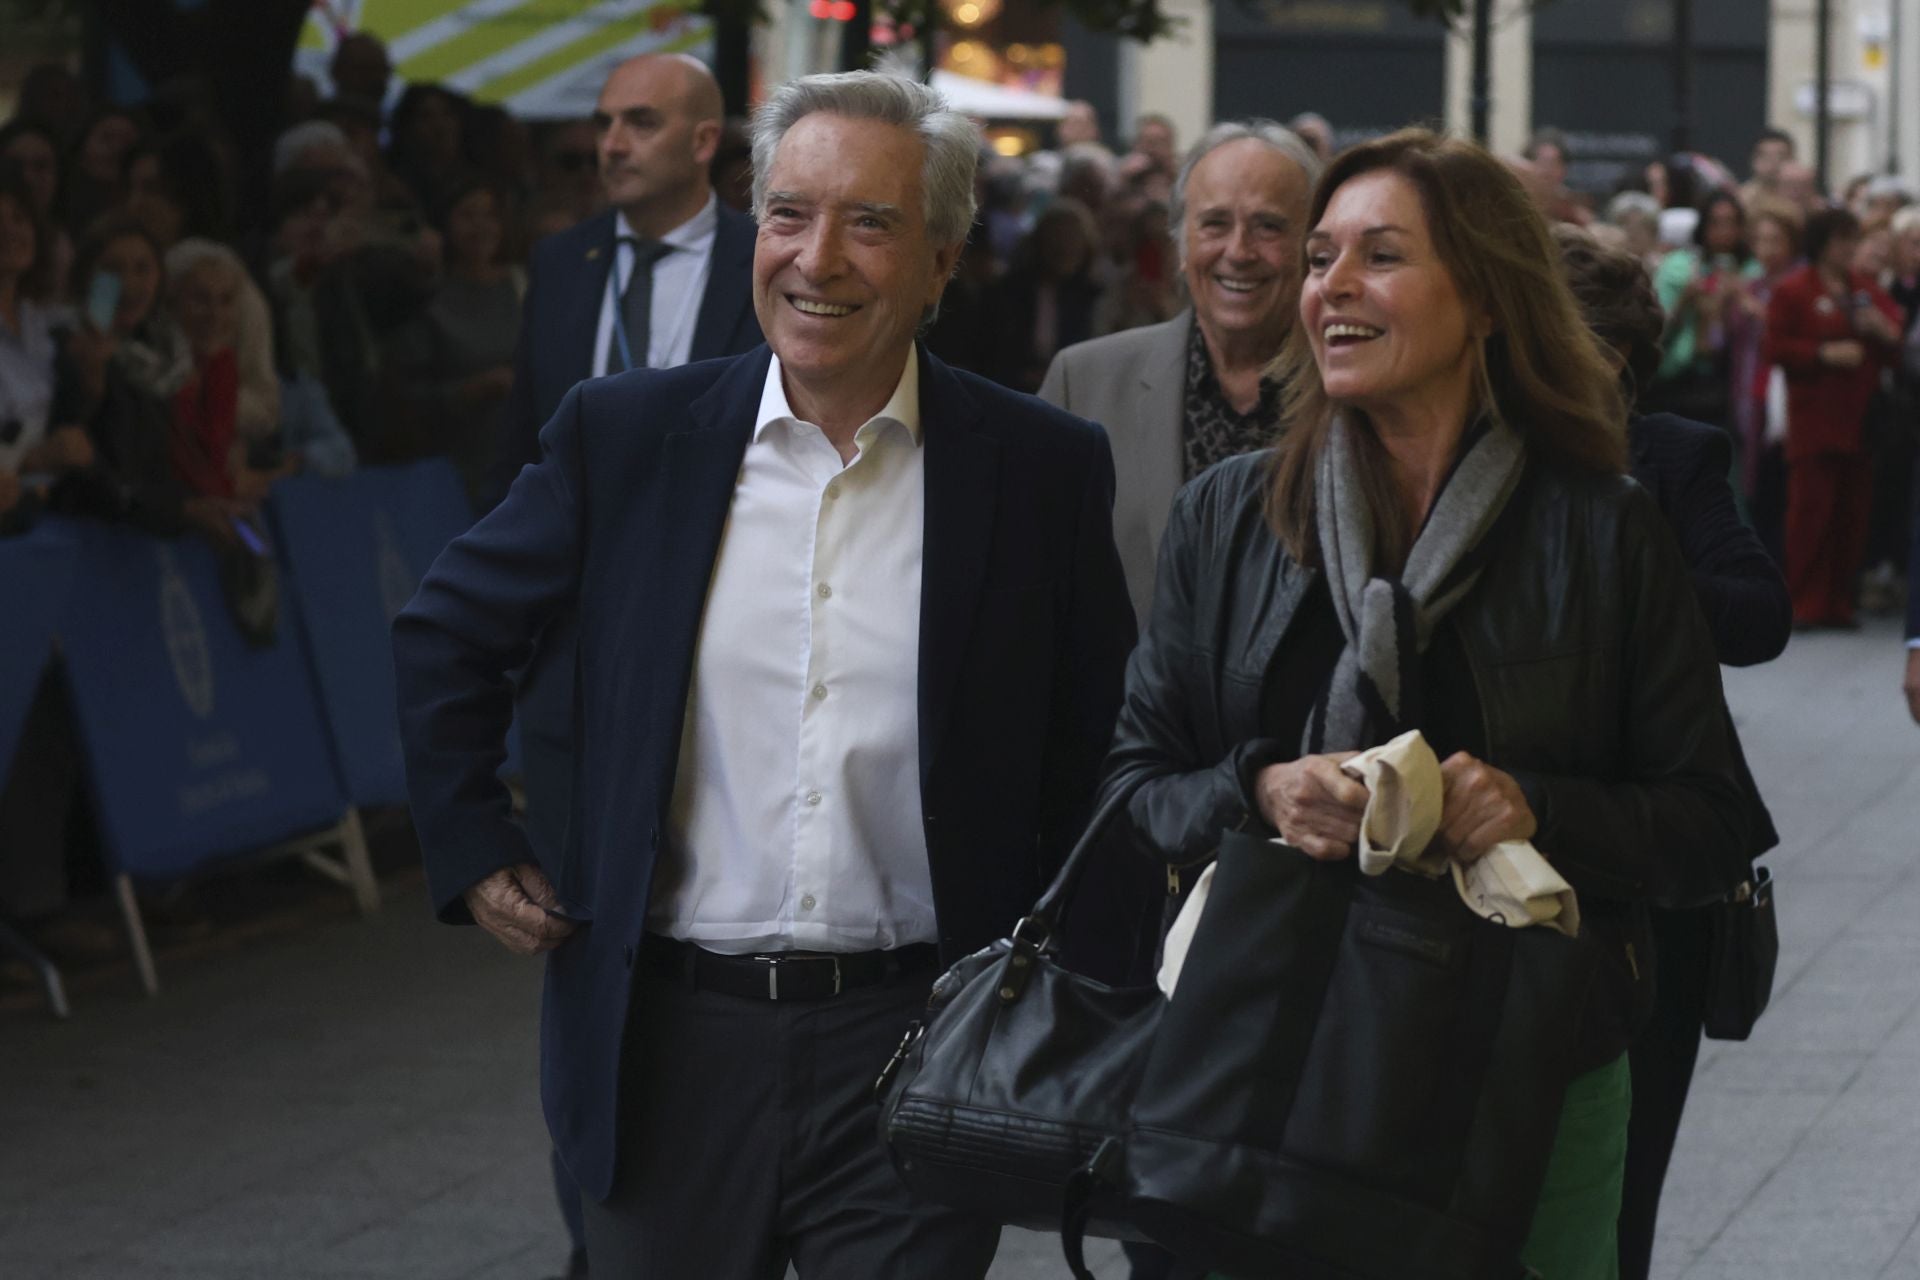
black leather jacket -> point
(1594, 672)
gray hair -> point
(1274, 134)
(295, 142)
(1630, 204)
(952, 143)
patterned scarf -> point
(1375, 692)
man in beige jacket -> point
(1178, 397)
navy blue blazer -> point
(1025, 625)
(566, 288)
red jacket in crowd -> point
(1826, 404)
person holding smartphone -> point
(1701, 289)
(1832, 330)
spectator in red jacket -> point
(1832, 330)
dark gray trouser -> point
(748, 1139)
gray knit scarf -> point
(1375, 692)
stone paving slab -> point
(355, 1100)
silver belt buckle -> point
(773, 971)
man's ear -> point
(706, 141)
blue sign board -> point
(198, 744)
(355, 549)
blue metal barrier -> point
(355, 549)
(198, 745)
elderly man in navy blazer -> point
(852, 632)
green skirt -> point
(1573, 1227)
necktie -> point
(636, 305)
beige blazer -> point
(1134, 384)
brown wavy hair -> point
(1616, 296)
(1541, 370)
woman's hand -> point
(1843, 353)
(1313, 805)
(1480, 807)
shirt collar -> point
(691, 234)
(902, 407)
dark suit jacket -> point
(1685, 466)
(566, 287)
(1024, 630)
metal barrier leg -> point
(49, 973)
(353, 868)
(353, 848)
(136, 933)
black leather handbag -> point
(1745, 941)
(1019, 1072)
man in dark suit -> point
(852, 628)
(661, 278)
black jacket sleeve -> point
(1188, 793)
(1740, 588)
(1674, 814)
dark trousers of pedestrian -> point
(1829, 504)
(1662, 1061)
(748, 1139)
(1890, 528)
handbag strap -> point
(1038, 925)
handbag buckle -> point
(915, 1030)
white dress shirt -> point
(679, 284)
(795, 822)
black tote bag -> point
(1357, 1078)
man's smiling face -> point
(843, 268)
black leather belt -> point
(788, 975)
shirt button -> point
(819, 691)
(806, 903)
(826, 592)
(833, 490)
(814, 797)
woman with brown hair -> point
(1444, 541)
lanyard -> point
(625, 247)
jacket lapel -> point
(581, 321)
(729, 287)
(962, 491)
(1163, 390)
(699, 470)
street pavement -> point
(355, 1098)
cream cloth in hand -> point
(1512, 885)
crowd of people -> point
(441, 280)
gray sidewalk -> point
(356, 1099)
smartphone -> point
(103, 300)
(249, 537)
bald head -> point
(657, 126)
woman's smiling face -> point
(1387, 323)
